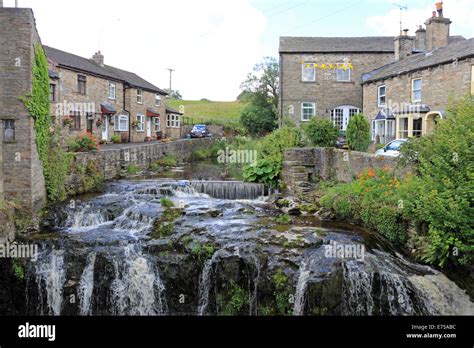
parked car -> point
(200, 131)
(392, 149)
(341, 142)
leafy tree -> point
(260, 89)
(174, 94)
(358, 133)
(321, 132)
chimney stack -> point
(98, 58)
(437, 32)
(403, 46)
(1, 3)
(420, 40)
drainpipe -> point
(125, 88)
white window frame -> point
(303, 67)
(338, 76)
(379, 96)
(112, 87)
(156, 124)
(139, 96)
(173, 121)
(413, 90)
(118, 123)
(157, 100)
(141, 122)
(311, 107)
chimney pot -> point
(98, 58)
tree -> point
(174, 94)
(260, 89)
(321, 132)
(358, 133)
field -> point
(209, 111)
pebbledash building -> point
(403, 84)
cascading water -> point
(222, 235)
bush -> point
(263, 171)
(358, 133)
(321, 132)
(133, 169)
(274, 144)
(259, 117)
(371, 200)
(167, 161)
(441, 195)
(83, 143)
(116, 139)
(167, 203)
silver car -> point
(392, 149)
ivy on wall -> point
(56, 162)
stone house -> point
(338, 77)
(88, 96)
(407, 97)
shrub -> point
(132, 169)
(263, 171)
(167, 161)
(358, 133)
(321, 132)
(259, 117)
(440, 196)
(166, 203)
(274, 144)
(84, 143)
(116, 139)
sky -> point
(213, 44)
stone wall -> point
(440, 85)
(326, 91)
(114, 162)
(303, 167)
(21, 170)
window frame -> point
(6, 138)
(76, 124)
(303, 108)
(52, 92)
(344, 71)
(157, 100)
(303, 75)
(379, 96)
(114, 85)
(117, 123)
(173, 121)
(81, 81)
(155, 124)
(140, 96)
(141, 123)
(413, 90)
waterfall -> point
(301, 287)
(50, 277)
(230, 190)
(137, 289)
(86, 285)
(357, 291)
(85, 216)
(205, 282)
(253, 295)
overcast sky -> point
(213, 44)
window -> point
(343, 75)
(418, 128)
(139, 96)
(157, 100)
(156, 124)
(337, 118)
(308, 111)
(403, 132)
(416, 90)
(172, 121)
(112, 90)
(382, 96)
(9, 130)
(308, 72)
(81, 84)
(121, 123)
(52, 92)
(140, 123)
(76, 121)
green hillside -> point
(209, 111)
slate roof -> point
(75, 62)
(172, 111)
(369, 44)
(447, 54)
(336, 44)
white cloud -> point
(461, 12)
(212, 44)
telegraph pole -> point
(401, 7)
(171, 78)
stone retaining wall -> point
(303, 167)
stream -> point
(224, 255)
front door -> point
(342, 115)
(148, 127)
(105, 128)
